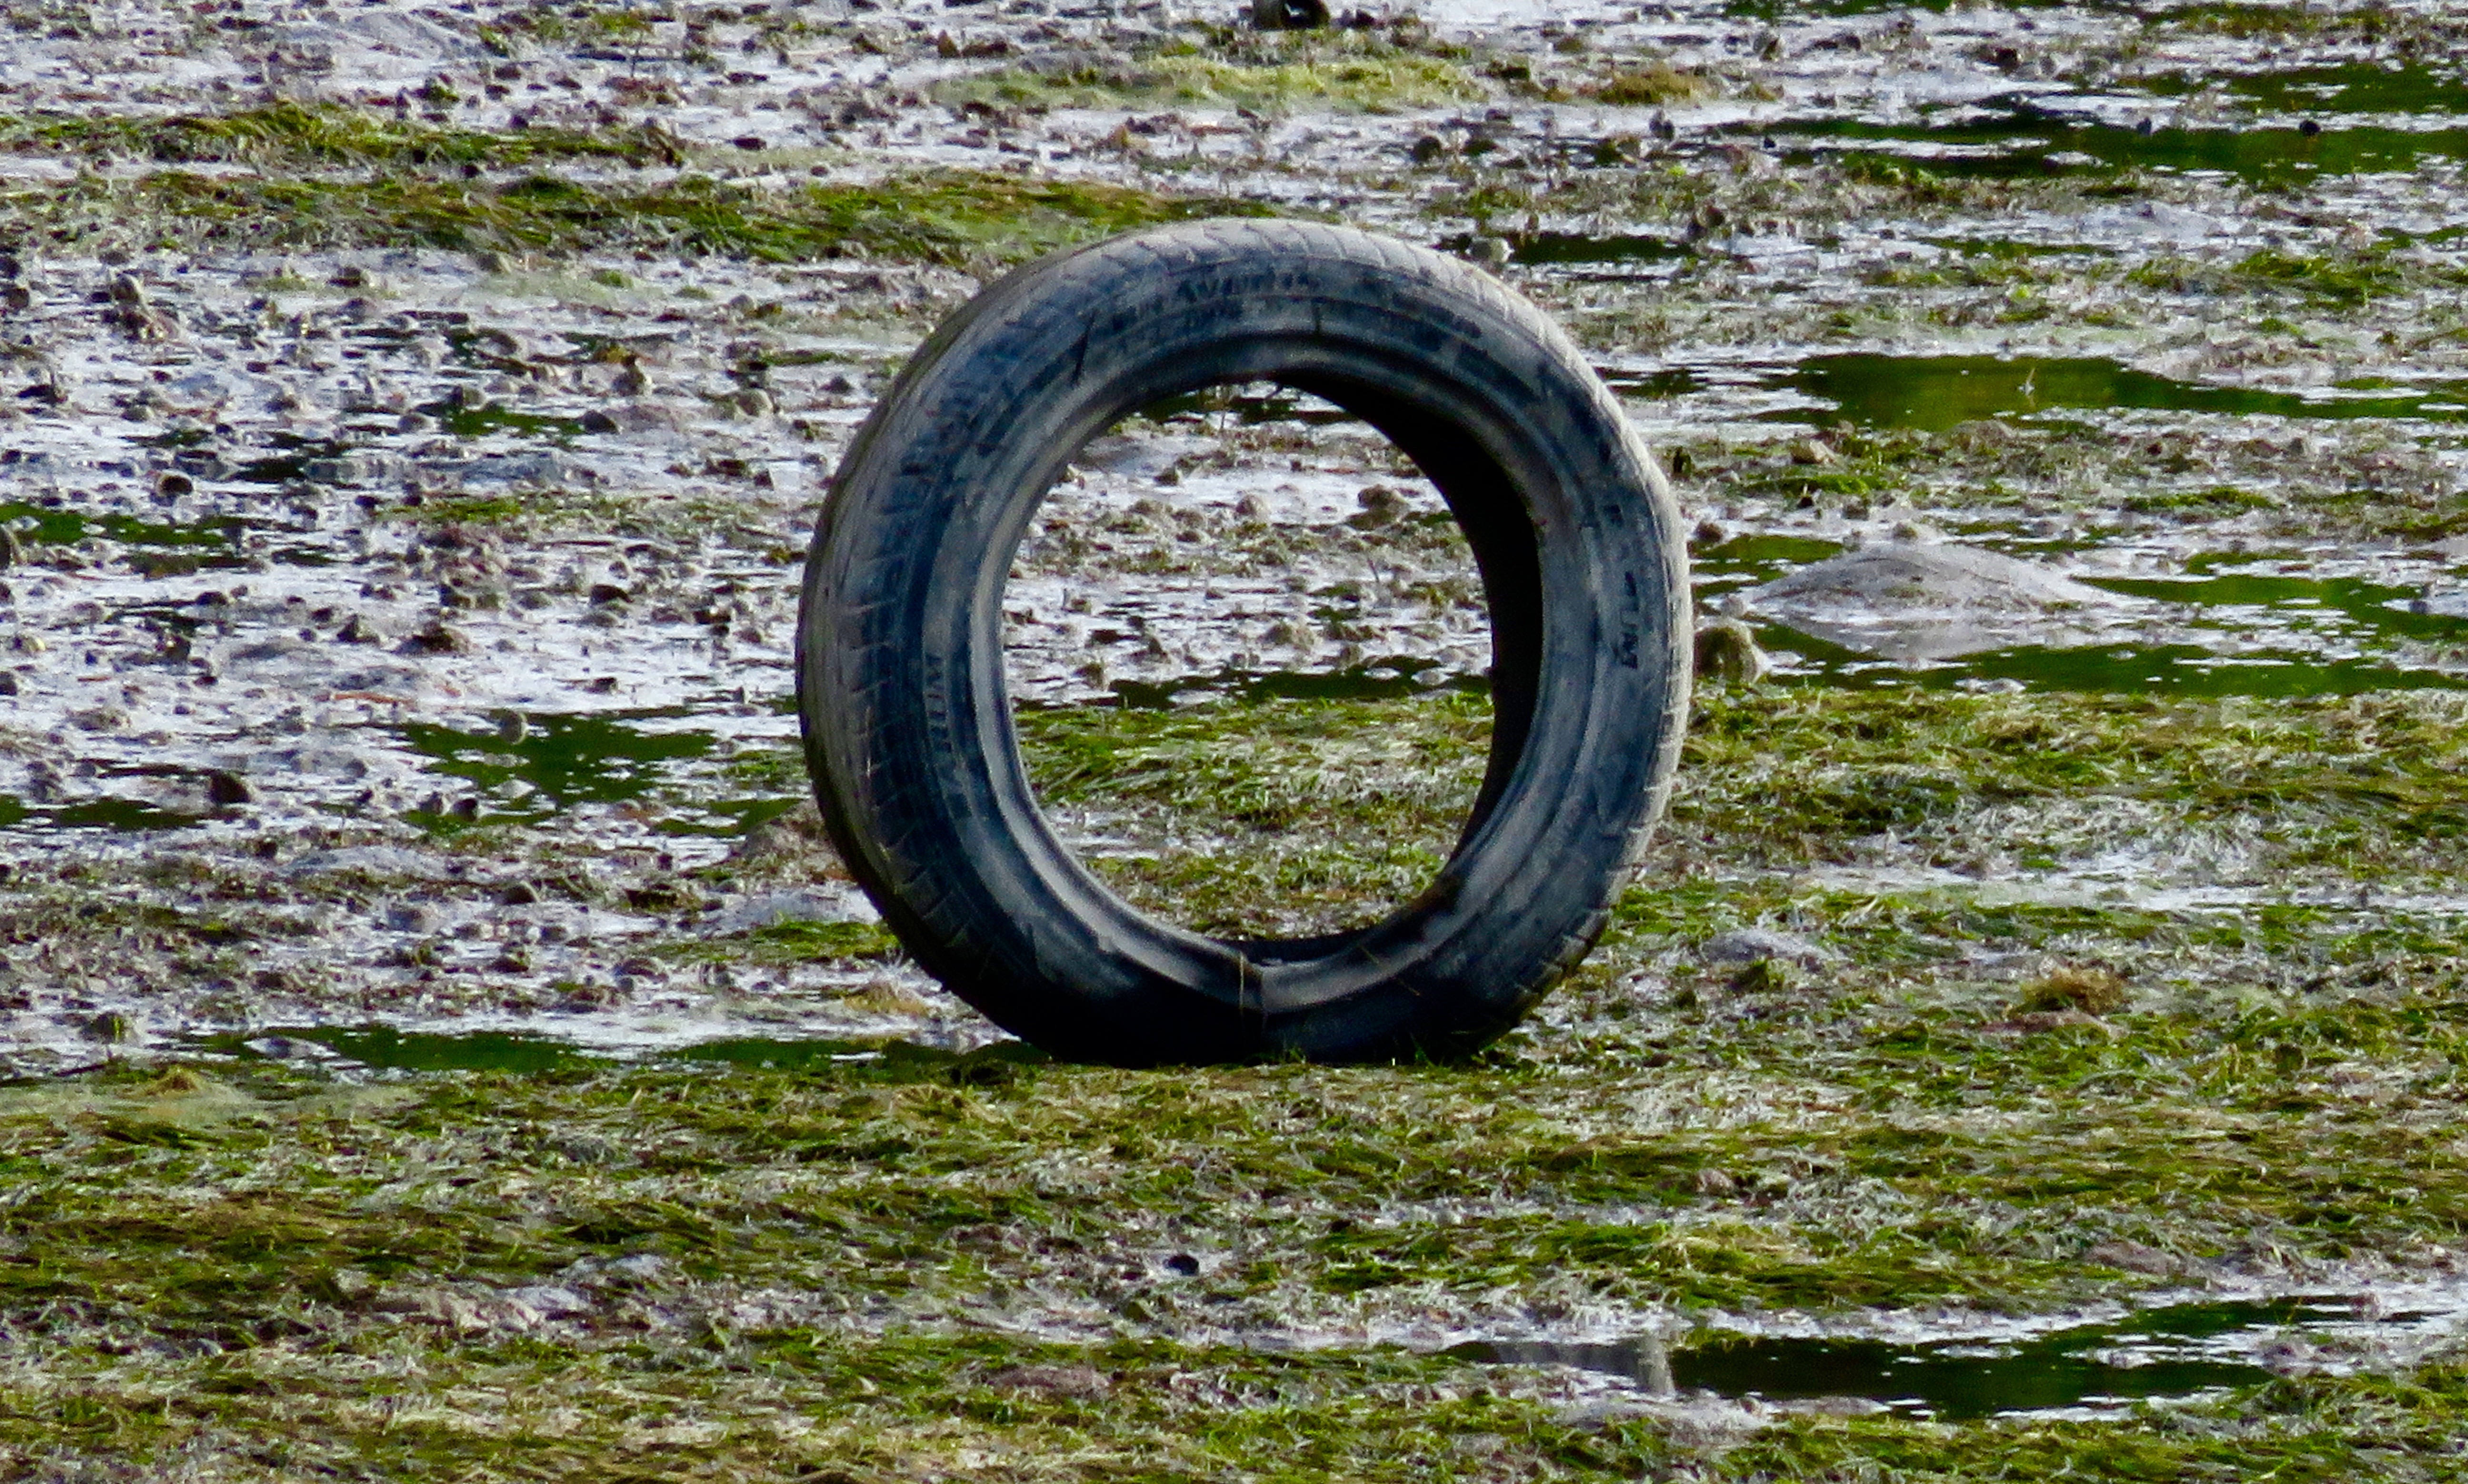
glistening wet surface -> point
(534, 765)
(411, 421)
(2179, 1352)
(2032, 137)
(1937, 393)
(2216, 624)
(347, 1049)
(1940, 391)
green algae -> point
(224, 1290)
(789, 942)
(949, 217)
(1780, 779)
(2365, 779)
(560, 760)
(1271, 804)
(1370, 84)
(383, 1283)
(59, 526)
(2276, 1087)
(1652, 85)
(1316, 811)
(2030, 141)
(1403, 67)
(294, 137)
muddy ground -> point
(441, 1045)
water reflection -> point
(2181, 1350)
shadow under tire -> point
(901, 682)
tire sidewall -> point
(908, 725)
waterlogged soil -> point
(440, 1043)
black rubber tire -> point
(899, 664)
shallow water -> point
(2032, 139)
(536, 763)
(2175, 1352)
(344, 1050)
(1940, 391)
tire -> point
(900, 667)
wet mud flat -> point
(440, 1042)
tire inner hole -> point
(1248, 649)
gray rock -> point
(639, 416)
(1137, 458)
(1727, 652)
(1061, 1381)
(271, 651)
(1764, 944)
(510, 469)
(414, 917)
(390, 862)
(1831, 1406)
(2132, 1257)
(1920, 600)
(406, 35)
(785, 906)
(289, 1048)
(554, 1300)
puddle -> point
(39, 524)
(1937, 392)
(544, 764)
(126, 816)
(1580, 250)
(483, 419)
(2178, 1352)
(2251, 602)
(386, 1048)
(2026, 137)
(2353, 87)
(1652, 385)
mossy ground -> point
(1401, 67)
(338, 178)
(290, 136)
(2081, 971)
(997, 1266)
